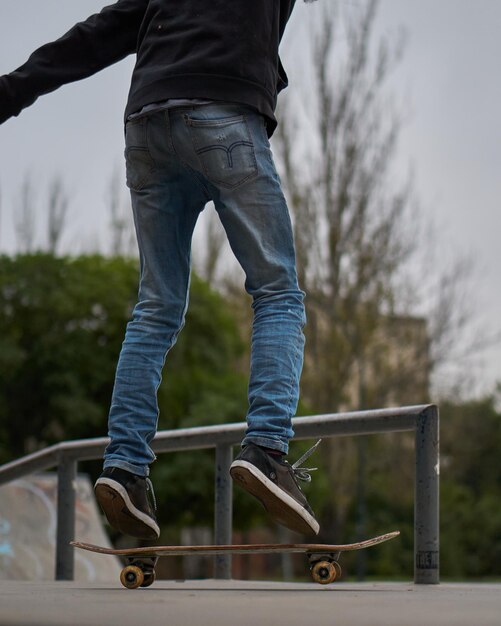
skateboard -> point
(323, 558)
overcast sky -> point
(449, 82)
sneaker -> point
(125, 500)
(273, 481)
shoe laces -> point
(149, 489)
(303, 473)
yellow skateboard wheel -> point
(132, 577)
(324, 572)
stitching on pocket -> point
(225, 121)
(216, 152)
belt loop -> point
(168, 128)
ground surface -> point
(221, 603)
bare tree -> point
(352, 230)
(57, 210)
(349, 223)
(207, 260)
(121, 223)
(355, 232)
(24, 220)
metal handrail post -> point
(426, 502)
(66, 496)
(223, 509)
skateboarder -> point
(198, 120)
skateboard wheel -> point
(149, 578)
(339, 571)
(132, 577)
(324, 572)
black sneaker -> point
(123, 496)
(273, 481)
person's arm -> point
(90, 46)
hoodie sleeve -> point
(286, 9)
(90, 46)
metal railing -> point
(422, 419)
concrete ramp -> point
(28, 531)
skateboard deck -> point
(323, 558)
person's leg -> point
(228, 145)
(166, 201)
(256, 219)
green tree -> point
(62, 322)
(61, 326)
(470, 489)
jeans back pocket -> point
(225, 150)
(139, 164)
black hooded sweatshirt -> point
(216, 49)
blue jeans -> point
(177, 160)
